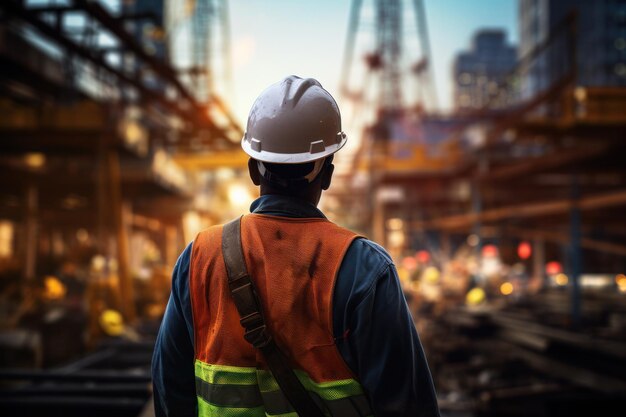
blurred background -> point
(486, 152)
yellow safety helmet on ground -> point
(112, 322)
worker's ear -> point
(327, 176)
(253, 169)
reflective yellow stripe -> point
(236, 391)
(223, 374)
(228, 395)
(206, 409)
(292, 414)
(331, 390)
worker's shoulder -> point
(180, 273)
(372, 248)
(209, 231)
(207, 236)
(365, 265)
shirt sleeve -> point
(378, 339)
(173, 375)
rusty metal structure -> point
(542, 168)
(93, 112)
(105, 104)
(113, 380)
(543, 162)
(539, 163)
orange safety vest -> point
(293, 263)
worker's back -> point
(293, 263)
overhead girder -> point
(187, 108)
(596, 202)
(235, 159)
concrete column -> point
(539, 261)
(446, 247)
(379, 228)
(575, 254)
(171, 246)
(122, 216)
(31, 199)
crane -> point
(396, 89)
(385, 61)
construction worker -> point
(329, 301)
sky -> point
(273, 39)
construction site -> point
(504, 212)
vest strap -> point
(256, 332)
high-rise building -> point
(479, 72)
(600, 42)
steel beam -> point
(165, 71)
(580, 341)
(577, 375)
(51, 8)
(31, 223)
(121, 216)
(116, 27)
(140, 389)
(563, 239)
(553, 160)
(92, 405)
(575, 253)
(616, 198)
(195, 114)
(200, 162)
(95, 376)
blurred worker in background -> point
(331, 300)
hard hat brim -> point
(293, 158)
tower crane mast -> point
(388, 105)
(389, 53)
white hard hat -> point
(295, 121)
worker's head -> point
(293, 130)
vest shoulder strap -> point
(250, 311)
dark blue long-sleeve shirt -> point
(371, 322)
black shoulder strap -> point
(257, 334)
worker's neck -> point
(310, 195)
